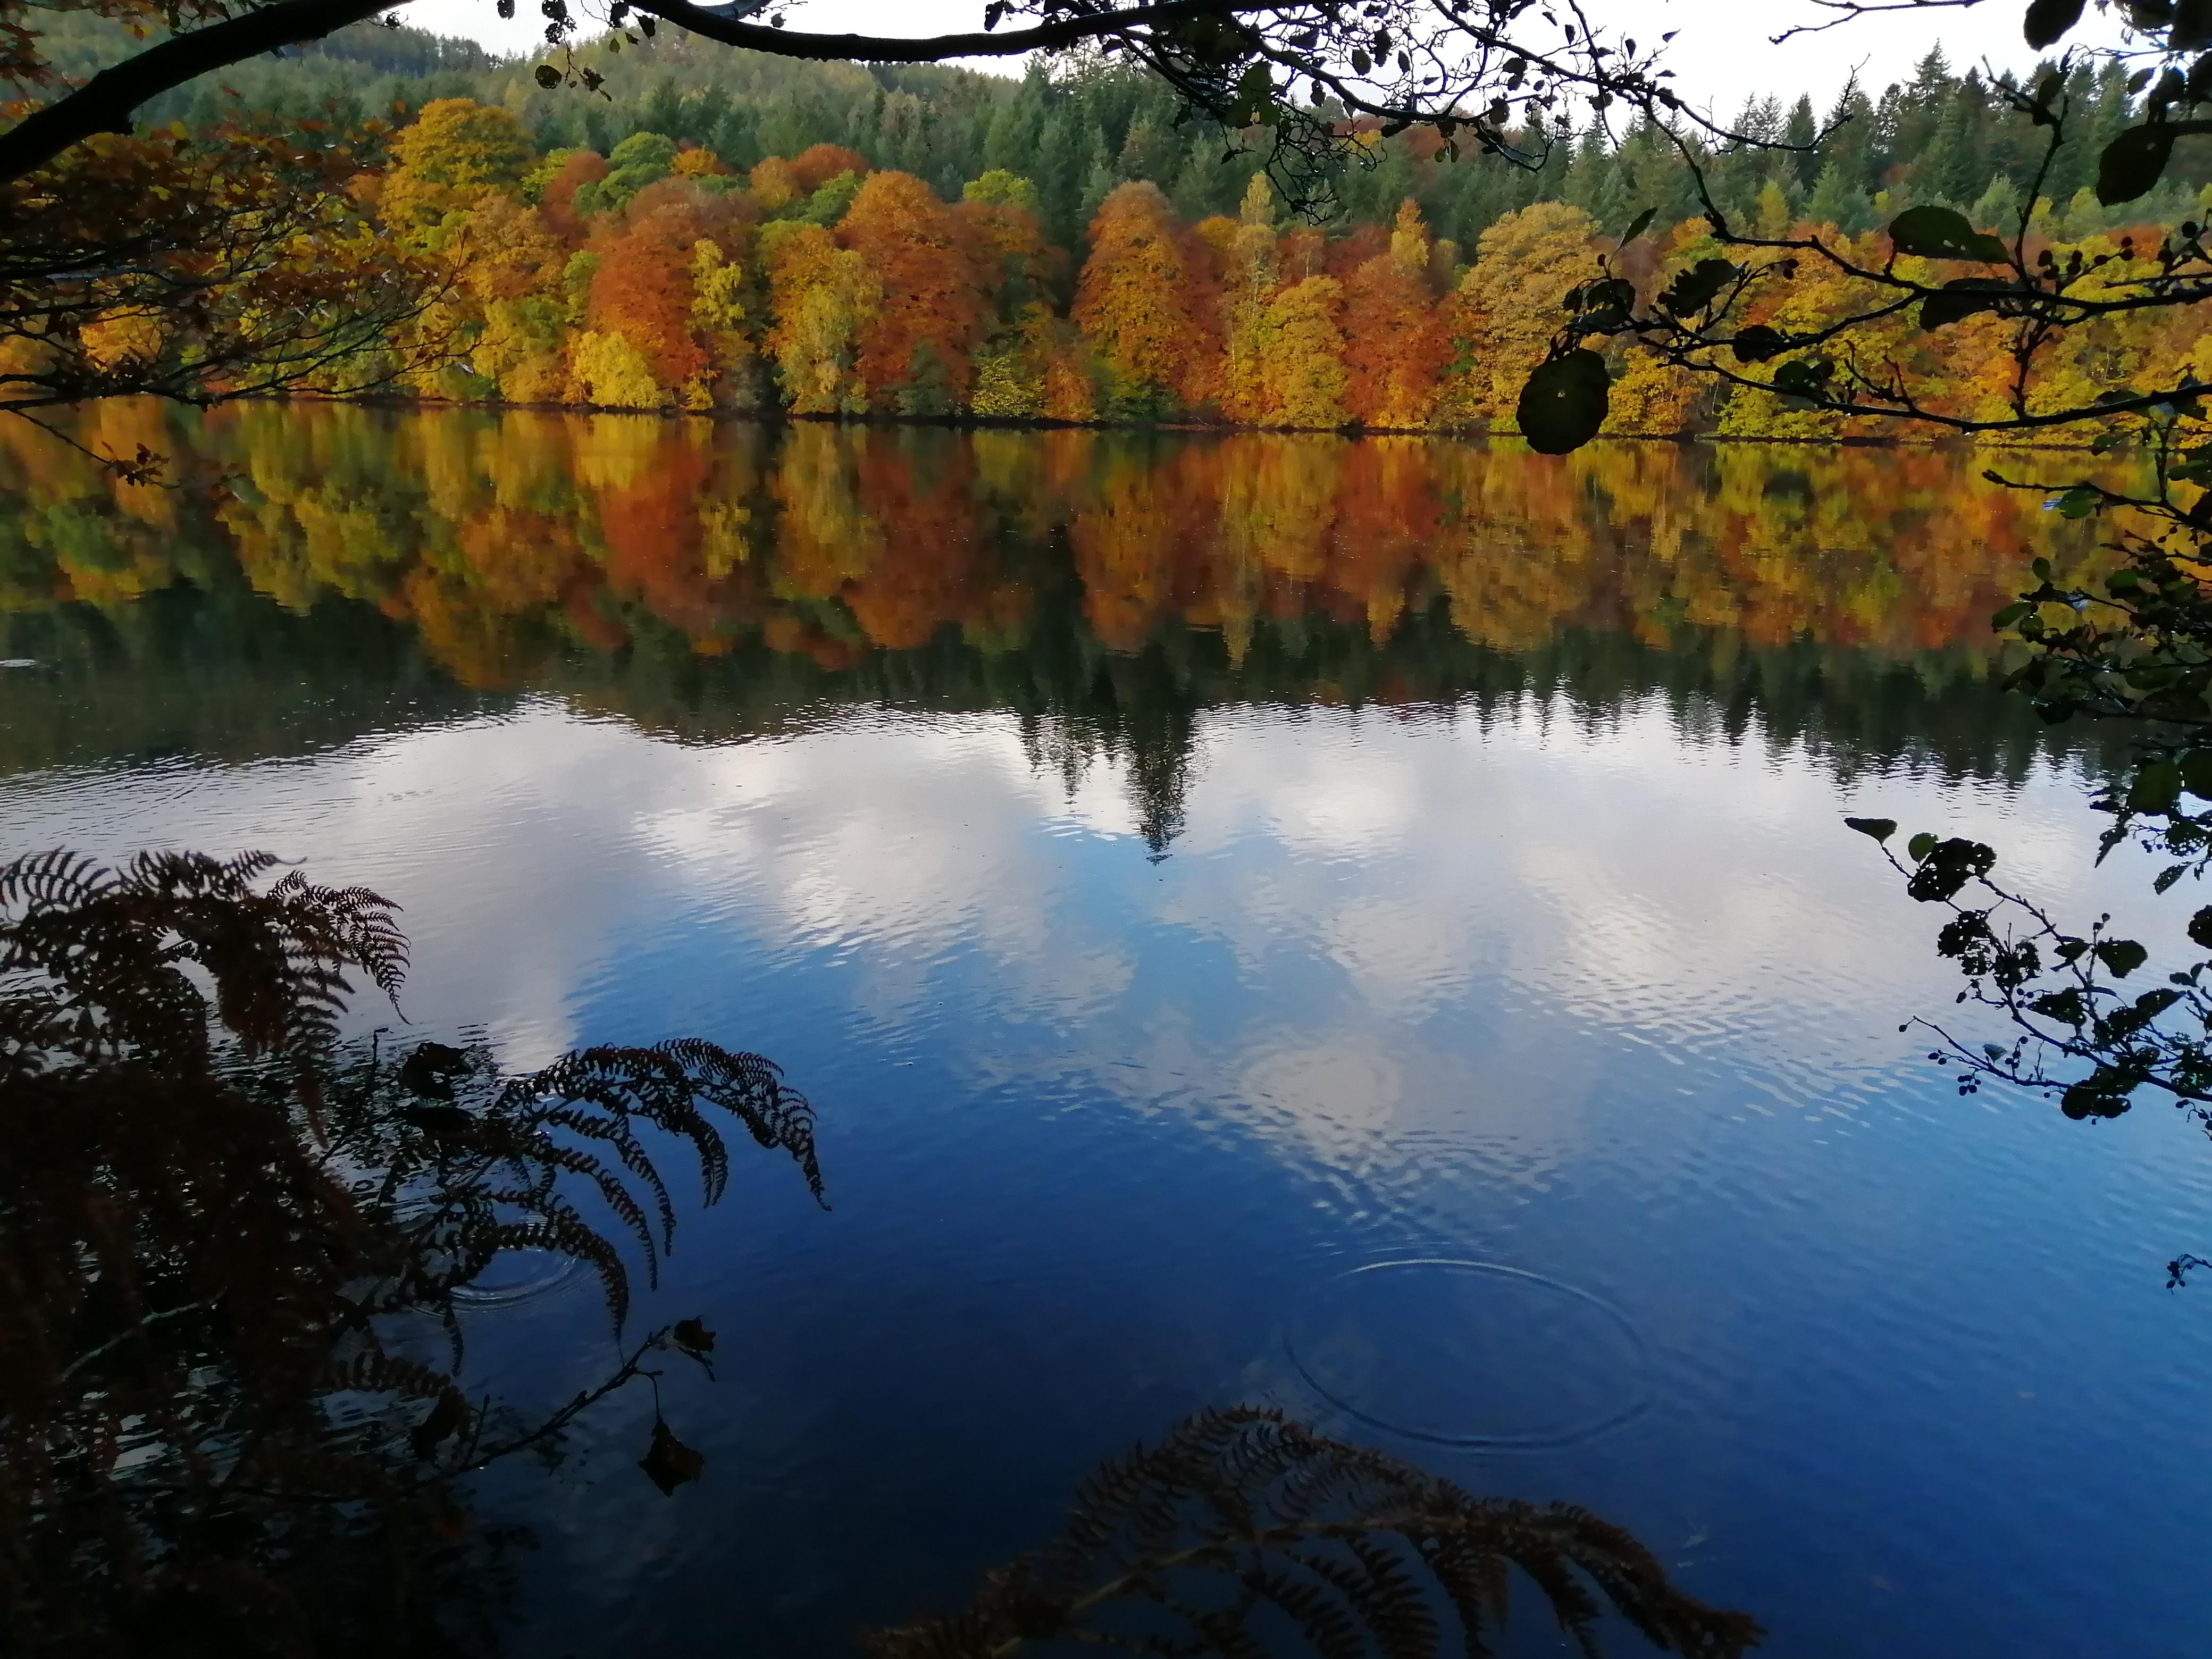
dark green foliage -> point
(1241, 1523)
(1077, 131)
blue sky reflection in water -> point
(1589, 998)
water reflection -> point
(235, 1420)
(1243, 1534)
(1538, 947)
(359, 569)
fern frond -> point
(1241, 1522)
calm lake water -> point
(1361, 927)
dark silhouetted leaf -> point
(430, 1071)
(2196, 772)
(2065, 1005)
(2132, 163)
(2049, 21)
(2156, 788)
(446, 1417)
(2192, 26)
(548, 76)
(1694, 289)
(2122, 955)
(693, 1338)
(2094, 1097)
(1880, 829)
(1920, 847)
(669, 1462)
(1948, 866)
(1759, 342)
(1963, 297)
(2200, 927)
(1638, 226)
(438, 1120)
(1939, 233)
(1804, 377)
(1564, 402)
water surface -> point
(1361, 927)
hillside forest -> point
(722, 232)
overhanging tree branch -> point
(106, 102)
(923, 49)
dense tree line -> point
(1943, 136)
(737, 232)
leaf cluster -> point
(2081, 1035)
(1721, 318)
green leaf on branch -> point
(1920, 847)
(1636, 227)
(2156, 788)
(548, 76)
(2133, 162)
(2196, 773)
(2080, 503)
(1564, 402)
(2048, 21)
(1254, 93)
(1880, 829)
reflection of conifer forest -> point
(737, 233)
(359, 567)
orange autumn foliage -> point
(1145, 299)
(1396, 345)
(816, 164)
(930, 319)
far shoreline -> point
(411, 403)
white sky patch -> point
(1722, 52)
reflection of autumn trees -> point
(1015, 570)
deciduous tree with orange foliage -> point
(916, 350)
(1396, 346)
(1144, 303)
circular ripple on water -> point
(513, 1276)
(1470, 1354)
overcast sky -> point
(1721, 51)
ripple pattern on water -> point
(1471, 1353)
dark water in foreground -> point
(1359, 928)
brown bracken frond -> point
(213, 1216)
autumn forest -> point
(736, 234)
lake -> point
(1363, 927)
